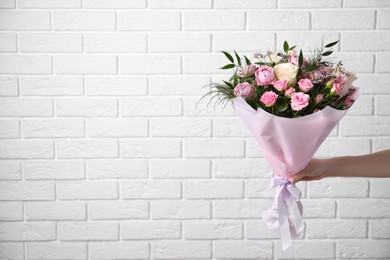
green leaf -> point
(248, 62)
(228, 83)
(285, 46)
(331, 44)
(300, 58)
(327, 53)
(228, 56)
(282, 107)
(238, 58)
(228, 66)
(260, 63)
(310, 68)
(292, 48)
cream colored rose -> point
(287, 71)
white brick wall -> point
(104, 154)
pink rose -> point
(264, 76)
(336, 88)
(319, 98)
(281, 84)
(289, 92)
(268, 98)
(244, 90)
(293, 60)
(305, 85)
(299, 101)
(246, 71)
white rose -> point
(287, 71)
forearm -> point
(371, 165)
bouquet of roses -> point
(290, 103)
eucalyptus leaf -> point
(228, 56)
(248, 62)
(228, 66)
(285, 46)
(311, 68)
(331, 44)
(238, 58)
(300, 58)
(327, 53)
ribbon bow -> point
(285, 214)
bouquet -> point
(290, 103)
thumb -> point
(297, 177)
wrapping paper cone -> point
(288, 144)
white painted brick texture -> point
(105, 154)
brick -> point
(85, 64)
(25, 107)
(305, 249)
(323, 208)
(115, 210)
(207, 229)
(365, 41)
(7, 4)
(152, 64)
(150, 148)
(243, 249)
(180, 4)
(56, 250)
(146, 229)
(179, 169)
(193, 106)
(366, 3)
(84, 21)
(10, 170)
(137, 127)
(51, 86)
(312, 4)
(26, 149)
(381, 105)
(53, 170)
(213, 189)
(343, 147)
(25, 64)
(343, 20)
(181, 249)
(27, 231)
(306, 40)
(240, 209)
(363, 249)
(194, 64)
(382, 65)
(213, 148)
(150, 106)
(50, 42)
(362, 63)
(9, 128)
(252, 149)
(256, 229)
(179, 209)
(249, 4)
(383, 19)
(338, 188)
(53, 128)
(373, 83)
(180, 127)
(254, 42)
(379, 228)
(87, 190)
(241, 168)
(119, 250)
(365, 106)
(213, 20)
(117, 4)
(52, 4)
(335, 229)
(95, 107)
(150, 189)
(117, 169)
(149, 21)
(63, 210)
(365, 126)
(278, 20)
(115, 42)
(11, 211)
(180, 42)
(379, 188)
(8, 42)
(373, 208)
(380, 144)
(25, 20)
(116, 86)
(11, 250)
(9, 86)
(229, 127)
(176, 85)
(91, 148)
(87, 231)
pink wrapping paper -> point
(288, 144)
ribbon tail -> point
(284, 225)
(295, 214)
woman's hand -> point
(313, 171)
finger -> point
(297, 177)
